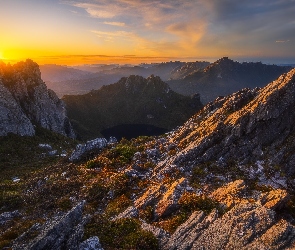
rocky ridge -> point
(26, 102)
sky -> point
(131, 31)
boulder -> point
(82, 149)
(91, 244)
(275, 199)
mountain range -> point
(80, 80)
(226, 76)
(224, 179)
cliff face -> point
(26, 101)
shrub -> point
(190, 202)
(64, 204)
(120, 234)
(91, 164)
(97, 192)
(147, 214)
(117, 206)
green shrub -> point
(117, 206)
(120, 234)
(190, 202)
(97, 192)
(91, 164)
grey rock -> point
(12, 117)
(169, 201)
(52, 153)
(82, 149)
(186, 234)
(58, 233)
(235, 126)
(130, 212)
(246, 226)
(25, 100)
(7, 216)
(45, 146)
(159, 233)
(91, 244)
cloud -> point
(120, 24)
(199, 26)
(109, 36)
(282, 41)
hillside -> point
(132, 100)
(222, 180)
(226, 76)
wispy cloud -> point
(282, 41)
(110, 36)
(120, 24)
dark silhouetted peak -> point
(132, 100)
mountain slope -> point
(132, 100)
(226, 76)
(246, 126)
(26, 102)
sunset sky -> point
(131, 31)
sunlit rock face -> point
(26, 101)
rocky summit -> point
(222, 180)
(26, 102)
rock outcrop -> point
(26, 102)
(82, 149)
(246, 226)
(63, 232)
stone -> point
(275, 199)
(12, 117)
(239, 228)
(230, 194)
(8, 216)
(82, 149)
(91, 244)
(169, 200)
(189, 231)
(56, 233)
